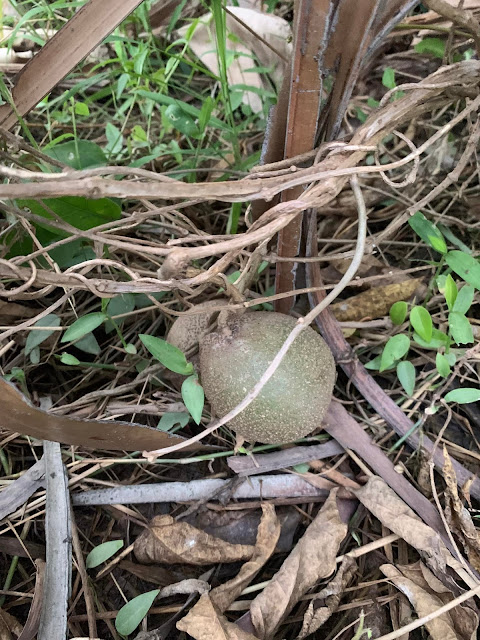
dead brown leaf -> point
(318, 613)
(10, 627)
(12, 310)
(208, 623)
(19, 416)
(385, 505)
(376, 302)
(458, 517)
(312, 559)
(205, 621)
(427, 594)
(169, 542)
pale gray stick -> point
(53, 620)
(17, 493)
(273, 486)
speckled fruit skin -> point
(293, 402)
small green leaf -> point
(439, 339)
(374, 365)
(460, 328)
(301, 468)
(67, 358)
(114, 139)
(81, 109)
(35, 338)
(398, 312)
(450, 291)
(83, 325)
(464, 299)
(172, 418)
(396, 347)
(35, 355)
(181, 121)
(443, 366)
(421, 321)
(433, 46)
(103, 552)
(464, 266)
(388, 78)
(406, 375)
(451, 358)
(132, 613)
(426, 231)
(167, 354)
(131, 349)
(89, 344)
(194, 397)
(463, 396)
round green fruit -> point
(294, 400)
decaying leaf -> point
(272, 30)
(19, 416)
(205, 621)
(427, 594)
(170, 542)
(318, 612)
(385, 505)
(11, 310)
(376, 302)
(10, 627)
(312, 559)
(458, 517)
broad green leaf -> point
(103, 552)
(79, 212)
(439, 339)
(434, 46)
(406, 375)
(450, 291)
(181, 121)
(171, 357)
(89, 344)
(398, 312)
(35, 338)
(79, 154)
(82, 326)
(35, 355)
(194, 397)
(460, 328)
(463, 396)
(464, 266)
(426, 230)
(124, 303)
(132, 613)
(67, 358)
(114, 139)
(451, 358)
(396, 347)
(421, 321)
(388, 78)
(172, 418)
(443, 366)
(464, 299)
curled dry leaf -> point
(170, 542)
(313, 559)
(459, 519)
(191, 585)
(385, 505)
(376, 302)
(10, 627)
(427, 594)
(205, 621)
(327, 600)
